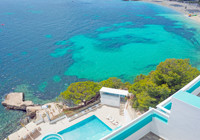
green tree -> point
(139, 77)
(169, 77)
(81, 92)
(147, 93)
(176, 73)
(112, 82)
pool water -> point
(91, 128)
(168, 106)
(53, 137)
(194, 87)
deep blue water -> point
(46, 45)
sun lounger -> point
(115, 122)
(82, 112)
(76, 115)
(119, 125)
(97, 105)
(71, 119)
(108, 117)
(111, 120)
(27, 137)
(90, 109)
(35, 133)
(94, 107)
(87, 110)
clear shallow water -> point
(45, 46)
(91, 128)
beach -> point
(182, 7)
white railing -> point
(188, 86)
(163, 103)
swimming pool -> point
(168, 106)
(194, 87)
(52, 137)
(91, 128)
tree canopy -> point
(81, 92)
(112, 82)
(148, 90)
(169, 76)
(115, 82)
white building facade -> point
(112, 97)
(176, 118)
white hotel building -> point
(176, 118)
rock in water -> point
(16, 101)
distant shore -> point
(184, 8)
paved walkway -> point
(102, 113)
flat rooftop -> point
(114, 91)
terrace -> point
(151, 121)
(101, 112)
(49, 120)
(191, 88)
(65, 123)
(183, 106)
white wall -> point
(184, 122)
(140, 133)
(110, 100)
(159, 128)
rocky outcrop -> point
(31, 111)
(16, 101)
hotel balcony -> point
(176, 118)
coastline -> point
(180, 7)
(193, 18)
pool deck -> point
(46, 128)
(101, 113)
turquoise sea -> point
(46, 45)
